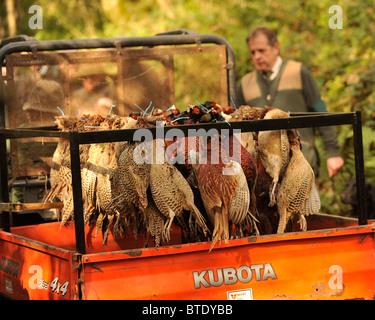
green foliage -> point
(368, 136)
(342, 60)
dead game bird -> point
(224, 191)
(134, 177)
(274, 150)
(172, 194)
(295, 190)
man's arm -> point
(328, 134)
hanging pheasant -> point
(155, 223)
(60, 167)
(224, 190)
(134, 177)
(274, 150)
(297, 194)
(172, 193)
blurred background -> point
(341, 60)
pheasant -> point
(61, 183)
(182, 147)
(60, 175)
(239, 213)
(250, 170)
(65, 183)
(89, 157)
(296, 187)
(155, 223)
(226, 197)
(172, 194)
(134, 177)
(268, 215)
(57, 172)
(179, 156)
(312, 206)
(106, 169)
(274, 150)
(109, 187)
(89, 177)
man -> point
(287, 85)
(97, 93)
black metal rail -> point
(76, 138)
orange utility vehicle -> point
(333, 259)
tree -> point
(11, 17)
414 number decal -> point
(58, 288)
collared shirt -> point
(276, 68)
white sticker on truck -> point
(245, 294)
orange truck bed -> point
(334, 259)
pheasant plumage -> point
(89, 175)
(274, 151)
(155, 222)
(134, 177)
(221, 185)
(295, 188)
(249, 168)
(172, 194)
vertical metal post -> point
(359, 168)
(169, 64)
(79, 226)
(232, 94)
(5, 219)
(2, 101)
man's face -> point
(263, 54)
(92, 81)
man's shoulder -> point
(249, 78)
(291, 78)
(249, 74)
(293, 65)
(249, 86)
(299, 67)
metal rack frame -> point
(77, 138)
(175, 37)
